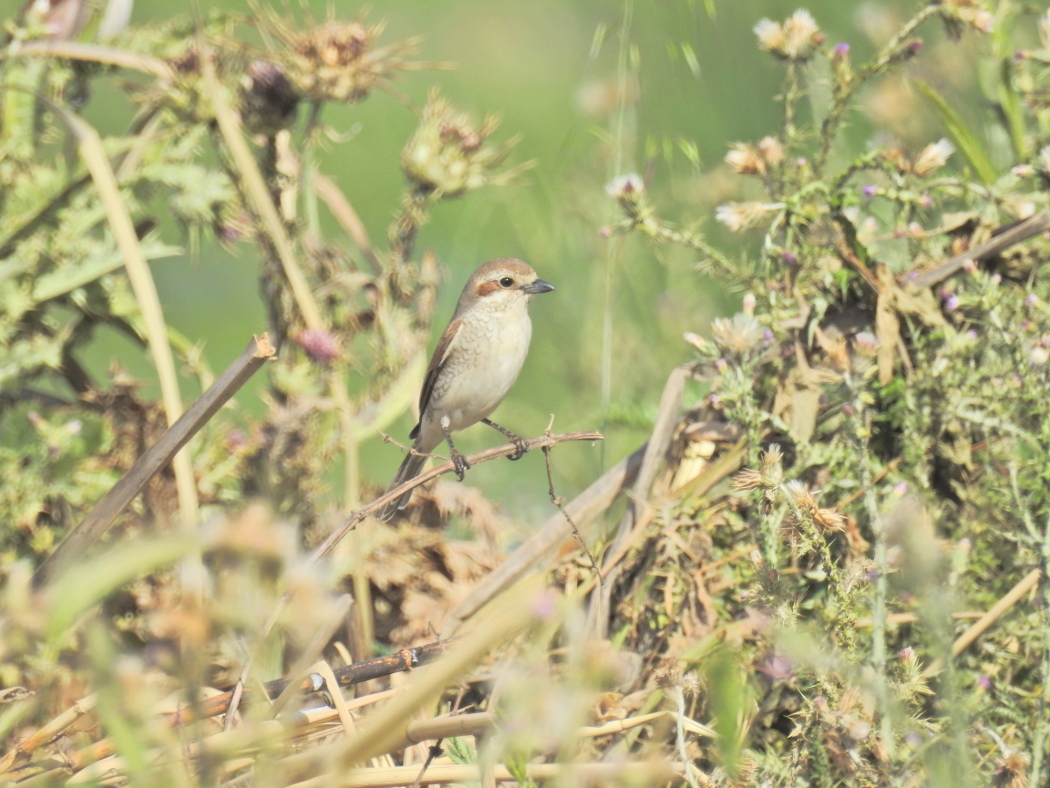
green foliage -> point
(895, 438)
(910, 407)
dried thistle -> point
(932, 157)
(337, 60)
(745, 159)
(794, 39)
(768, 477)
(1011, 770)
(449, 156)
(739, 216)
(825, 519)
(771, 150)
(737, 335)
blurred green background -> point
(605, 341)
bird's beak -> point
(537, 287)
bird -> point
(474, 365)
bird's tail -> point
(409, 469)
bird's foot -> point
(460, 463)
(520, 444)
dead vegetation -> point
(826, 566)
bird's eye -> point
(506, 282)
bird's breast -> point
(480, 369)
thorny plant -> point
(894, 442)
(352, 326)
(896, 434)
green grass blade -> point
(965, 140)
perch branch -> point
(351, 522)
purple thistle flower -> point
(320, 345)
(841, 50)
(869, 191)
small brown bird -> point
(475, 363)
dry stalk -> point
(1030, 227)
(1011, 598)
(84, 536)
(310, 653)
(46, 733)
(649, 773)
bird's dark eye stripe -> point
(506, 281)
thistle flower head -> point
(771, 150)
(806, 503)
(739, 216)
(448, 154)
(268, 99)
(625, 186)
(738, 334)
(957, 15)
(795, 38)
(932, 157)
(337, 60)
(320, 345)
(745, 159)
(768, 476)
(866, 344)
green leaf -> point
(729, 706)
(67, 278)
(965, 140)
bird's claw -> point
(521, 445)
(460, 463)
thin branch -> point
(346, 676)
(557, 500)
(351, 522)
(650, 773)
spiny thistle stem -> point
(844, 95)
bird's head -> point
(502, 284)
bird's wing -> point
(441, 354)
